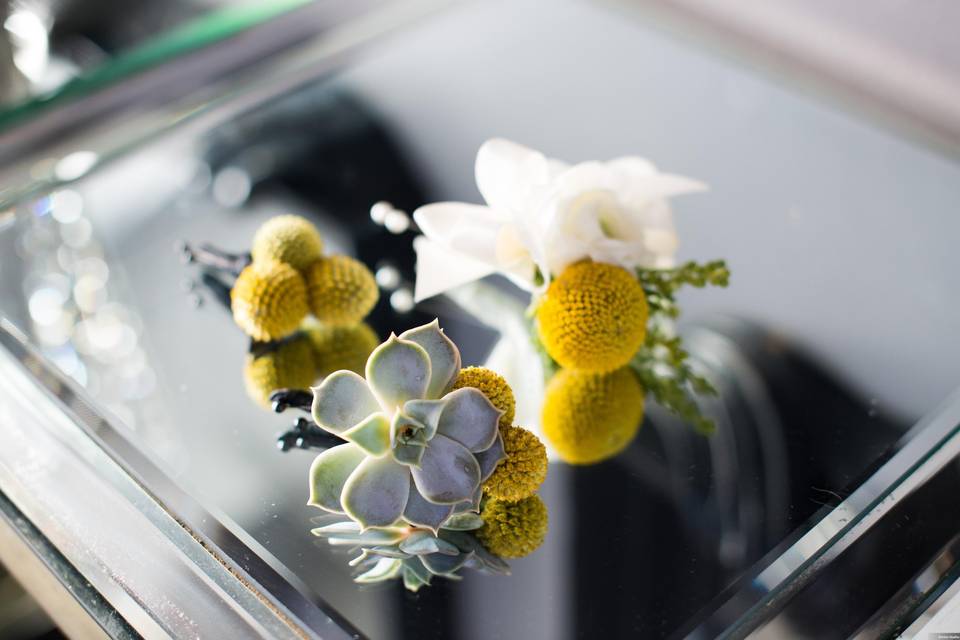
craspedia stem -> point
(213, 258)
(283, 399)
(304, 434)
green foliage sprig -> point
(662, 363)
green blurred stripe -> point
(212, 27)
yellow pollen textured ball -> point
(269, 299)
(589, 417)
(593, 317)
(342, 290)
(337, 348)
(289, 239)
(513, 529)
(289, 366)
(524, 469)
(492, 385)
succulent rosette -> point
(416, 452)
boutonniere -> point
(594, 244)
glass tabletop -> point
(832, 340)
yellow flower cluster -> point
(593, 317)
(300, 360)
(289, 239)
(515, 518)
(290, 366)
(289, 277)
(513, 529)
(269, 299)
(524, 469)
(592, 320)
(342, 290)
(493, 385)
(589, 417)
(337, 348)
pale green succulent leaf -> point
(445, 565)
(489, 459)
(422, 542)
(328, 474)
(375, 494)
(444, 356)
(338, 528)
(423, 513)
(407, 429)
(469, 418)
(342, 401)
(448, 472)
(372, 434)
(388, 552)
(368, 538)
(411, 580)
(460, 539)
(416, 566)
(490, 562)
(397, 371)
(463, 522)
(384, 569)
(419, 543)
(409, 454)
(426, 412)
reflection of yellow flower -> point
(523, 470)
(513, 529)
(289, 239)
(289, 366)
(269, 300)
(341, 347)
(342, 290)
(593, 317)
(492, 385)
(589, 417)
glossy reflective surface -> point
(834, 337)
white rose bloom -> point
(543, 215)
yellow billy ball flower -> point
(492, 385)
(513, 529)
(337, 348)
(523, 470)
(342, 290)
(289, 366)
(289, 239)
(269, 300)
(593, 317)
(589, 417)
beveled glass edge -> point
(930, 445)
(92, 601)
(243, 576)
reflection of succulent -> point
(493, 386)
(289, 239)
(269, 299)
(593, 317)
(589, 417)
(288, 364)
(339, 348)
(513, 529)
(414, 452)
(523, 470)
(416, 555)
(342, 290)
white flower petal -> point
(443, 220)
(440, 269)
(505, 170)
